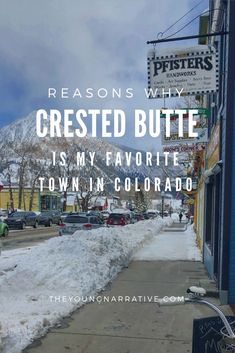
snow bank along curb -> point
(79, 265)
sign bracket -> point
(187, 37)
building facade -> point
(37, 201)
(219, 176)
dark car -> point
(64, 215)
(47, 218)
(20, 220)
(134, 217)
(79, 221)
(96, 214)
(152, 214)
(105, 215)
(146, 215)
(139, 217)
(118, 219)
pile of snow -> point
(79, 265)
(171, 246)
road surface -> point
(28, 237)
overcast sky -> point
(81, 44)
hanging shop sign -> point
(194, 185)
(184, 148)
(174, 138)
(190, 71)
(202, 112)
(201, 128)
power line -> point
(187, 24)
(168, 38)
(194, 7)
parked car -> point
(3, 214)
(118, 219)
(47, 218)
(165, 214)
(96, 214)
(151, 214)
(105, 214)
(74, 222)
(146, 216)
(134, 218)
(20, 220)
(64, 215)
(139, 217)
(4, 229)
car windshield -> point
(76, 219)
(116, 216)
(95, 220)
(17, 214)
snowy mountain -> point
(23, 131)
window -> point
(76, 219)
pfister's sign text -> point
(196, 71)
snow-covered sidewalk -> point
(70, 266)
(171, 246)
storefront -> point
(199, 167)
(34, 200)
(49, 201)
(212, 178)
(199, 212)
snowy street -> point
(28, 237)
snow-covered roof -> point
(99, 200)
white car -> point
(105, 214)
(3, 214)
(74, 222)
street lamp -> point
(162, 196)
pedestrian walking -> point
(188, 215)
(180, 216)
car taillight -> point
(87, 226)
(110, 221)
(62, 225)
(122, 222)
